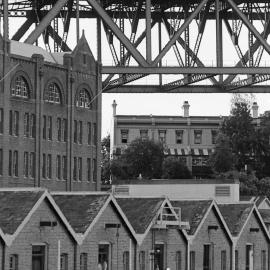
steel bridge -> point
(140, 34)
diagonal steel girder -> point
(179, 32)
(183, 44)
(46, 21)
(250, 26)
(118, 33)
(60, 42)
(24, 27)
(106, 82)
(255, 47)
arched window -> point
(83, 99)
(53, 95)
(20, 88)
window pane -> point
(49, 128)
(83, 99)
(26, 125)
(20, 88)
(53, 94)
(25, 166)
(59, 129)
(33, 126)
(1, 121)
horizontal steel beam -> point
(186, 70)
(187, 89)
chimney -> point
(255, 108)
(114, 107)
(186, 108)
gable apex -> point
(83, 47)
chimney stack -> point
(186, 108)
(255, 110)
(114, 107)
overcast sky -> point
(166, 104)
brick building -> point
(190, 138)
(106, 237)
(50, 117)
(209, 239)
(250, 236)
(161, 238)
(34, 233)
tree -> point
(222, 158)
(174, 168)
(239, 129)
(144, 157)
(105, 159)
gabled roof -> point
(265, 214)
(193, 212)
(140, 211)
(80, 209)
(17, 205)
(83, 209)
(236, 216)
(27, 50)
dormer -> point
(82, 57)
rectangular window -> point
(223, 259)
(214, 134)
(10, 122)
(178, 259)
(80, 168)
(43, 165)
(103, 256)
(124, 135)
(49, 128)
(88, 170)
(1, 161)
(44, 129)
(58, 167)
(33, 126)
(197, 136)
(64, 261)
(126, 260)
(65, 129)
(25, 164)
(10, 163)
(236, 260)
(249, 257)
(263, 263)
(15, 163)
(59, 129)
(144, 134)
(83, 261)
(49, 166)
(207, 257)
(26, 125)
(32, 165)
(142, 260)
(38, 257)
(94, 170)
(162, 136)
(80, 132)
(75, 169)
(64, 167)
(89, 127)
(75, 131)
(1, 121)
(179, 136)
(16, 123)
(159, 256)
(13, 262)
(192, 260)
(95, 134)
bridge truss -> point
(140, 34)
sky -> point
(164, 104)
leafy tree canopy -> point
(174, 168)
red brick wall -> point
(217, 237)
(258, 239)
(173, 241)
(101, 235)
(32, 233)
